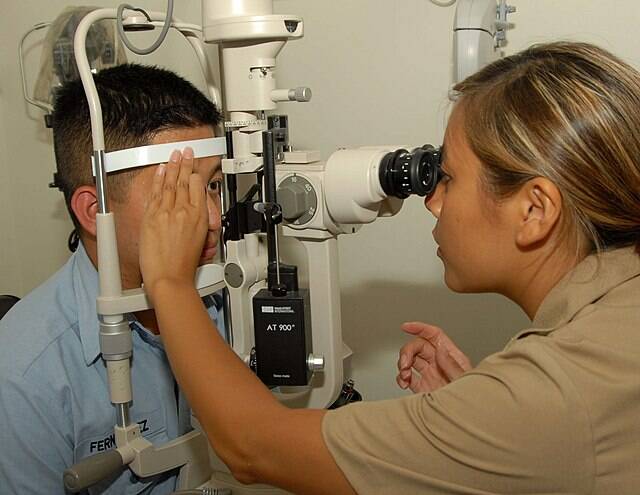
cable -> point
(443, 3)
(73, 241)
(158, 42)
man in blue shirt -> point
(54, 397)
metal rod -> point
(269, 168)
(277, 259)
(101, 181)
(229, 200)
(232, 183)
(122, 412)
(226, 315)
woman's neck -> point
(540, 272)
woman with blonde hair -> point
(539, 201)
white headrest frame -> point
(160, 153)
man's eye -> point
(214, 186)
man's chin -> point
(207, 255)
(205, 260)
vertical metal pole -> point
(269, 167)
(230, 194)
(101, 181)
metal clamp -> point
(115, 341)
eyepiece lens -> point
(403, 172)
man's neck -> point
(147, 318)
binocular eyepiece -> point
(403, 172)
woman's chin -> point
(453, 282)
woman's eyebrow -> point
(443, 159)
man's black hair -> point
(137, 103)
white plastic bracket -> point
(159, 153)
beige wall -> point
(379, 70)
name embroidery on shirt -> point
(110, 441)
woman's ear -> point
(538, 206)
(84, 203)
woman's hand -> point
(430, 360)
(174, 226)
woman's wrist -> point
(168, 288)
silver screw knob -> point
(300, 94)
(315, 363)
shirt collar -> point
(154, 340)
(591, 279)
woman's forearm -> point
(194, 348)
(257, 437)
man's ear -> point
(538, 206)
(84, 203)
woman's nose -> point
(433, 203)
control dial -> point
(298, 199)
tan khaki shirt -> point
(556, 412)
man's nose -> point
(433, 203)
(213, 208)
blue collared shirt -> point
(54, 396)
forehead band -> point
(160, 153)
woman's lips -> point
(435, 238)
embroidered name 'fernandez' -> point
(110, 441)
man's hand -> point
(175, 224)
(430, 360)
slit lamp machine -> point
(279, 265)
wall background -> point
(380, 71)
